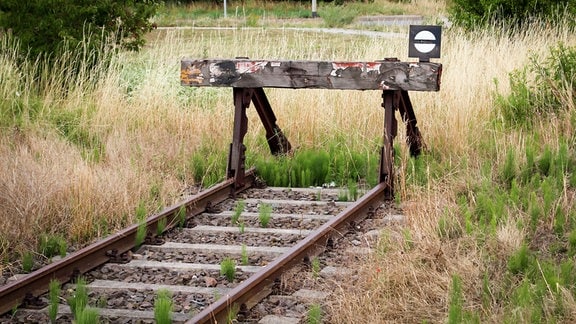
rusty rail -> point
(250, 291)
(116, 246)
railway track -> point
(285, 247)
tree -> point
(50, 26)
(473, 13)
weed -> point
(244, 255)
(334, 16)
(181, 216)
(88, 315)
(79, 300)
(508, 172)
(238, 209)
(161, 227)
(228, 269)
(53, 300)
(163, 307)
(27, 261)
(352, 190)
(408, 241)
(264, 214)
(142, 225)
(455, 312)
(241, 227)
(572, 243)
(52, 245)
(519, 261)
(232, 314)
(314, 314)
(315, 264)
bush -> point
(473, 13)
(542, 89)
(51, 27)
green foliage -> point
(520, 261)
(51, 27)
(542, 89)
(508, 172)
(455, 312)
(161, 227)
(473, 13)
(88, 316)
(315, 264)
(142, 225)
(238, 209)
(208, 165)
(334, 16)
(70, 126)
(317, 167)
(264, 214)
(244, 255)
(181, 215)
(52, 245)
(53, 300)
(163, 307)
(232, 313)
(314, 314)
(27, 261)
(228, 269)
(572, 243)
(79, 300)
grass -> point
(228, 269)
(244, 255)
(315, 266)
(53, 300)
(238, 210)
(489, 202)
(163, 307)
(314, 314)
(264, 214)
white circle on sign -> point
(424, 36)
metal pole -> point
(225, 15)
(314, 13)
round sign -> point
(428, 40)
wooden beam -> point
(244, 73)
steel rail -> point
(114, 246)
(249, 291)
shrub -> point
(163, 307)
(228, 269)
(48, 27)
(473, 13)
(542, 89)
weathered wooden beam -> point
(244, 73)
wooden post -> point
(237, 157)
(277, 142)
(413, 136)
(389, 99)
(249, 77)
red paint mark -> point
(250, 67)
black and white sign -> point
(425, 42)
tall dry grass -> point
(410, 280)
(149, 127)
(144, 128)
